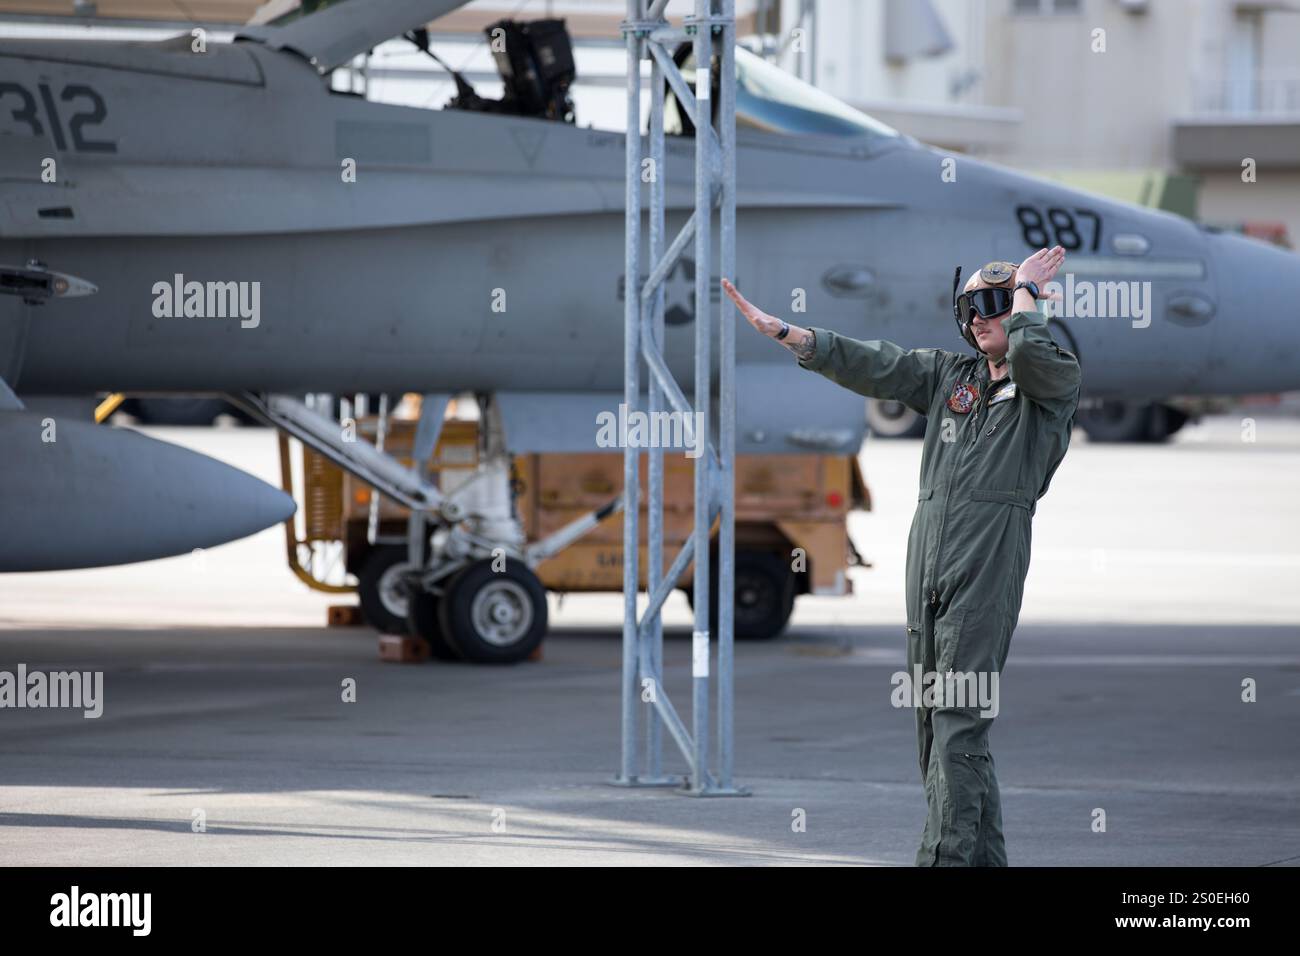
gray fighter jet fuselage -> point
(249, 229)
(470, 245)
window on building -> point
(1242, 87)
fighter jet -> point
(180, 216)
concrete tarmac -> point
(1163, 577)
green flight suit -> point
(982, 473)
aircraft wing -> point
(331, 37)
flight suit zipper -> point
(996, 424)
(992, 428)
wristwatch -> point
(785, 330)
(1031, 286)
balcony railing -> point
(1270, 93)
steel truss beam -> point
(649, 36)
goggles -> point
(986, 303)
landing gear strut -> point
(463, 582)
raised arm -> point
(1041, 369)
(875, 368)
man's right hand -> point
(769, 325)
(801, 342)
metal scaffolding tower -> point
(649, 36)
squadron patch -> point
(962, 399)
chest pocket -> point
(1003, 411)
(998, 416)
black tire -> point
(494, 617)
(1165, 422)
(178, 411)
(1112, 421)
(764, 596)
(887, 419)
(383, 604)
(424, 621)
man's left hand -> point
(1041, 266)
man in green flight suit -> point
(998, 425)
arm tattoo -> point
(805, 350)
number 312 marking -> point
(91, 116)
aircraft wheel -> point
(1165, 422)
(764, 596)
(379, 586)
(178, 411)
(494, 617)
(1112, 421)
(893, 420)
(424, 621)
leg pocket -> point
(967, 782)
(948, 630)
(972, 638)
(913, 647)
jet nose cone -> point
(1257, 336)
(192, 501)
(238, 504)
